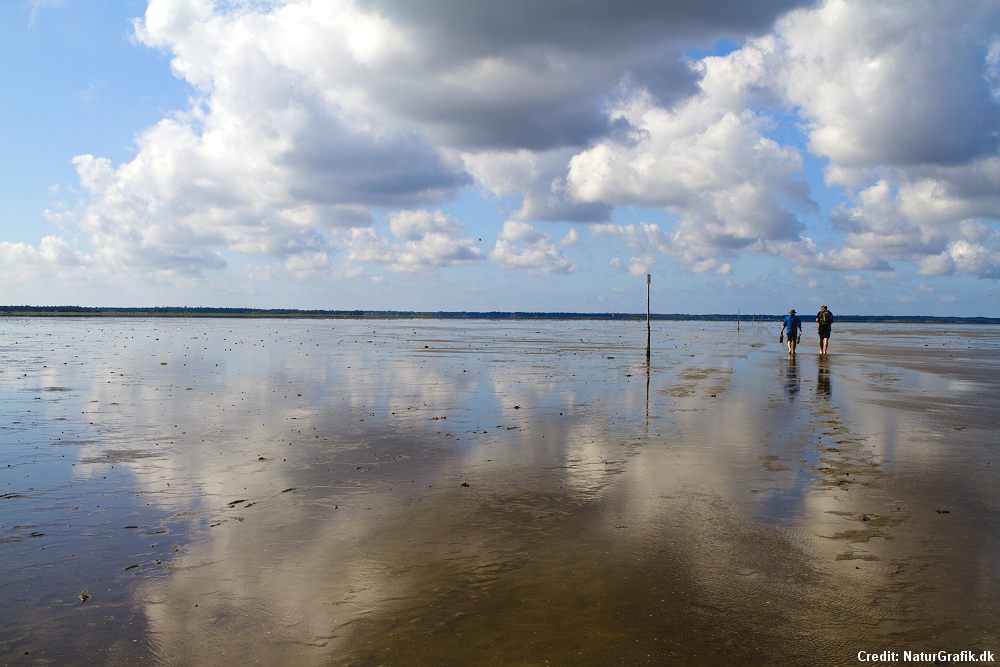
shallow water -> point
(316, 492)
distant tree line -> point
(184, 311)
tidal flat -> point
(414, 492)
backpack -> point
(825, 317)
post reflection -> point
(648, 375)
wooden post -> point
(649, 279)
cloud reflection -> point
(350, 492)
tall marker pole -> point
(648, 281)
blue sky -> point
(437, 155)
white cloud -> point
(521, 246)
(975, 259)
(339, 108)
(704, 265)
(572, 237)
(640, 266)
(52, 251)
(913, 134)
(892, 83)
(364, 245)
(937, 265)
(281, 145)
(807, 257)
(710, 165)
(642, 237)
(849, 259)
(312, 119)
(650, 240)
(901, 98)
(428, 240)
(920, 219)
(308, 263)
(416, 225)
(536, 177)
(28, 272)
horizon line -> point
(361, 313)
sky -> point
(523, 155)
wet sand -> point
(399, 492)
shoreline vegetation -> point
(292, 313)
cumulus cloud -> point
(427, 241)
(572, 237)
(894, 83)
(712, 166)
(310, 120)
(280, 144)
(919, 220)
(937, 265)
(519, 245)
(975, 259)
(527, 74)
(430, 241)
(849, 259)
(32, 270)
(308, 114)
(52, 251)
(365, 245)
(308, 263)
(651, 240)
(643, 237)
(640, 266)
(899, 97)
(538, 178)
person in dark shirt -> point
(824, 322)
(793, 325)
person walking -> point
(824, 321)
(793, 325)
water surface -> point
(316, 492)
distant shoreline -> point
(291, 313)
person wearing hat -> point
(793, 325)
(824, 321)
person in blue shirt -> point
(793, 325)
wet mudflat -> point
(188, 492)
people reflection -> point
(823, 387)
(792, 381)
